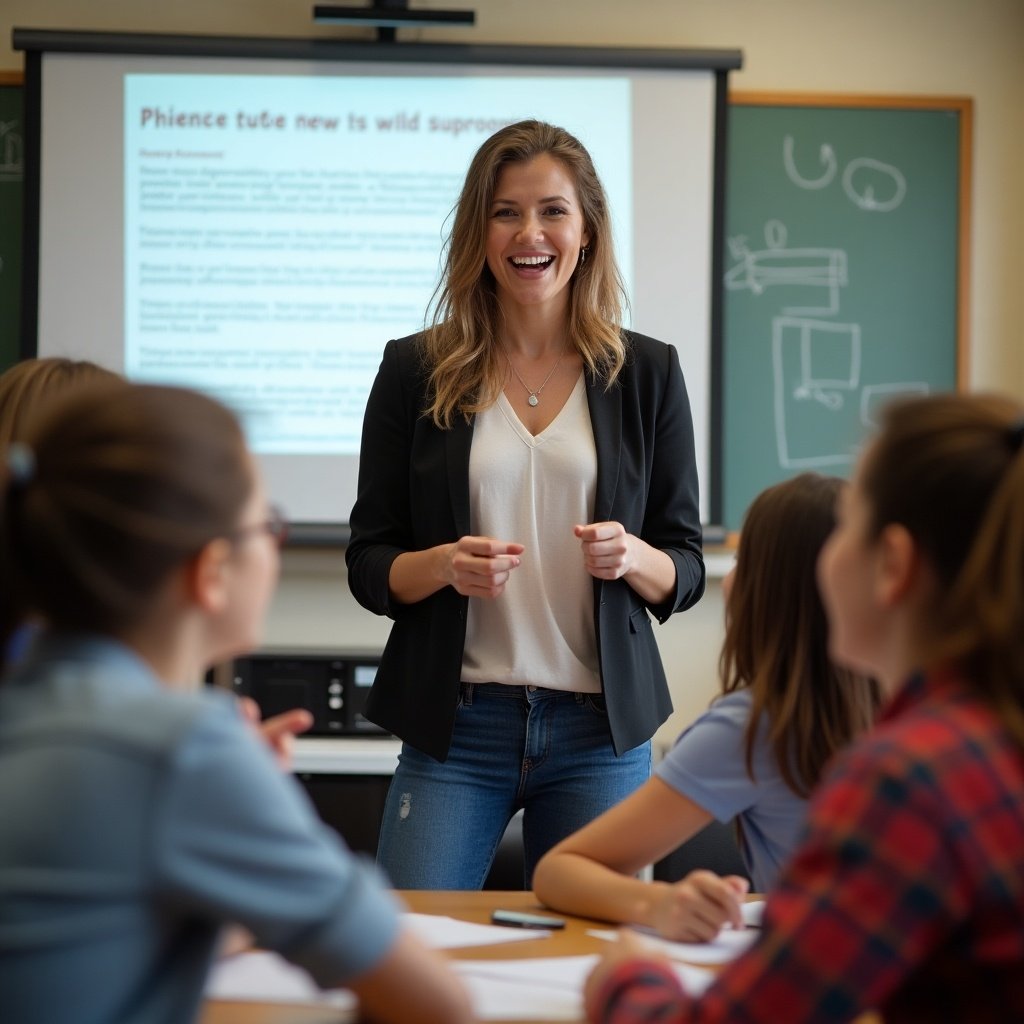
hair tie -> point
(21, 465)
(1015, 435)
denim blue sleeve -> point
(707, 764)
(236, 840)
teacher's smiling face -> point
(535, 233)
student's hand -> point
(480, 566)
(412, 983)
(234, 940)
(608, 551)
(278, 732)
(698, 907)
(628, 946)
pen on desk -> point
(517, 919)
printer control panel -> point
(331, 685)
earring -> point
(583, 256)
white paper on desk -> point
(264, 977)
(726, 947)
(441, 932)
(753, 912)
(544, 988)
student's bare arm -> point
(591, 873)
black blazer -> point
(414, 493)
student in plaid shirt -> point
(907, 894)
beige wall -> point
(926, 47)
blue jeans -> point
(546, 751)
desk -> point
(467, 906)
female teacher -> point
(527, 495)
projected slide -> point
(278, 230)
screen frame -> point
(37, 42)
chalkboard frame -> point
(962, 108)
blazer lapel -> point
(606, 420)
(457, 440)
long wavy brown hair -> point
(461, 347)
(776, 636)
(950, 469)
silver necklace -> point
(534, 398)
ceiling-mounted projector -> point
(390, 15)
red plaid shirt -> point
(906, 896)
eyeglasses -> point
(275, 525)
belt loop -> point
(467, 694)
(581, 698)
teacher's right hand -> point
(480, 566)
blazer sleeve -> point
(381, 519)
(671, 519)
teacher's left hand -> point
(608, 551)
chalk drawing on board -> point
(875, 396)
(827, 157)
(858, 185)
(778, 267)
(12, 152)
(864, 196)
(816, 366)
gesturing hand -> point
(607, 549)
(278, 732)
(480, 566)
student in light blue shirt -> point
(753, 757)
(708, 765)
(140, 814)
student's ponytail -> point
(119, 486)
(950, 469)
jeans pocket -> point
(465, 696)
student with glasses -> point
(141, 815)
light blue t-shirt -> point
(134, 822)
(708, 765)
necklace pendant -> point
(533, 400)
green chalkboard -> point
(844, 271)
(11, 173)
